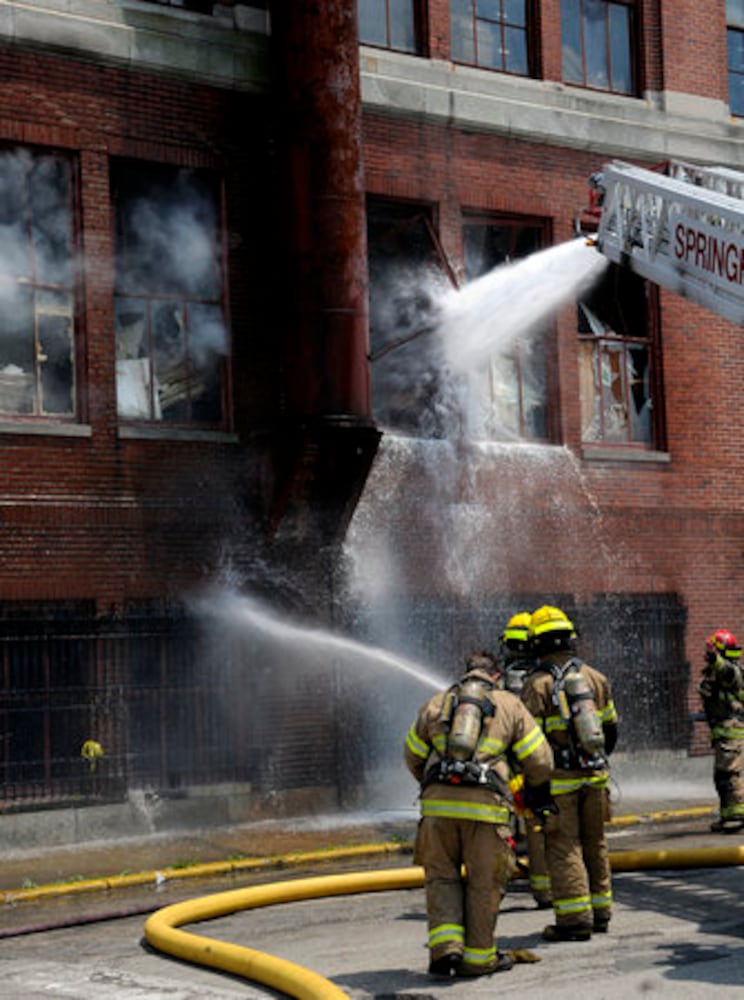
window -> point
(618, 362)
(735, 41)
(389, 24)
(491, 33)
(597, 44)
(511, 399)
(407, 272)
(37, 285)
(171, 335)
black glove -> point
(539, 801)
(610, 736)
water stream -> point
(307, 647)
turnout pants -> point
(577, 855)
(462, 908)
(728, 777)
(539, 874)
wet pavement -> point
(676, 933)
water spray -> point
(246, 612)
(491, 315)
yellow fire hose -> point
(161, 929)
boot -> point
(446, 965)
(567, 932)
(733, 825)
(502, 963)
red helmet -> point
(725, 643)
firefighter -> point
(722, 692)
(516, 664)
(573, 704)
(516, 659)
(457, 749)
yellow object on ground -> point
(161, 929)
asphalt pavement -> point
(676, 933)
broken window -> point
(37, 275)
(511, 397)
(171, 334)
(407, 272)
(495, 34)
(618, 365)
(390, 24)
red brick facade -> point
(673, 526)
(116, 520)
(93, 516)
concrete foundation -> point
(145, 813)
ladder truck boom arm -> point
(683, 230)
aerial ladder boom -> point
(683, 230)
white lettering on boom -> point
(717, 255)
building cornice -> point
(228, 49)
(656, 127)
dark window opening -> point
(37, 285)
(407, 271)
(598, 42)
(171, 330)
(512, 397)
(619, 365)
(391, 24)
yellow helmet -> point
(517, 628)
(549, 619)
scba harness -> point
(465, 772)
(465, 707)
(575, 702)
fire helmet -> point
(725, 643)
(547, 620)
(517, 632)
(550, 631)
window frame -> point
(634, 43)
(651, 341)
(514, 223)
(216, 182)
(734, 27)
(404, 232)
(419, 11)
(531, 33)
(73, 288)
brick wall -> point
(128, 520)
(666, 527)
